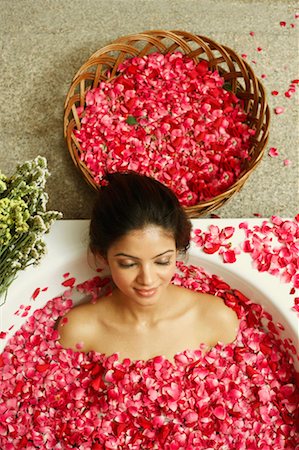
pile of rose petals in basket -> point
(241, 396)
(167, 117)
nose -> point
(146, 276)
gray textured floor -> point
(44, 42)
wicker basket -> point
(233, 69)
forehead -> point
(150, 239)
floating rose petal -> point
(252, 33)
(219, 412)
(282, 24)
(296, 281)
(274, 93)
(287, 162)
(80, 345)
(64, 321)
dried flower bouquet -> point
(23, 219)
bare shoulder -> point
(220, 321)
(76, 327)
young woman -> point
(138, 228)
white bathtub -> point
(67, 252)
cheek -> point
(121, 278)
(168, 273)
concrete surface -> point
(44, 42)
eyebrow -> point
(135, 257)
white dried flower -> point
(23, 219)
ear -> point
(96, 261)
(101, 261)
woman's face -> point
(142, 263)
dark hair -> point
(131, 201)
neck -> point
(141, 315)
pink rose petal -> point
(279, 110)
(80, 345)
(273, 152)
(219, 412)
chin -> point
(147, 296)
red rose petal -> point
(229, 257)
(212, 248)
(35, 293)
(69, 282)
(42, 367)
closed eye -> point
(163, 263)
(126, 266)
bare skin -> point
(146, 316)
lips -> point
(146, 292)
